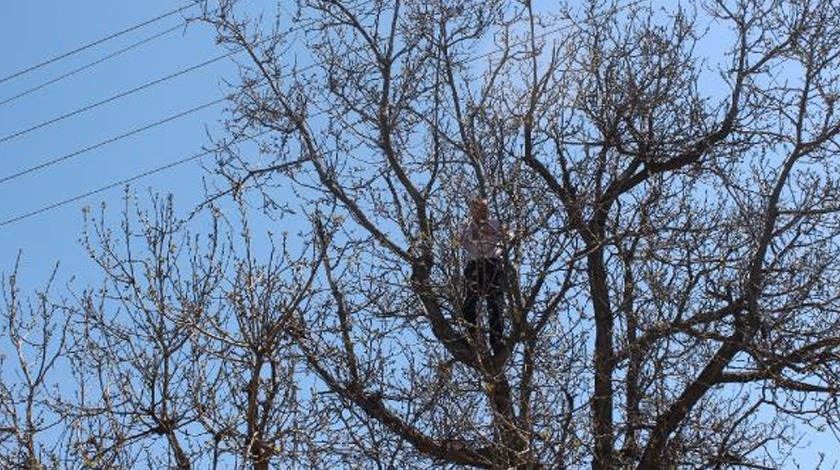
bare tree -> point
(184, 357)
(672, 237)
(136, 365)
(31, 415)
(672, 294)
(250, 391)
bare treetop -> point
(664, 218)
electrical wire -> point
(94, 43)
(118, 96)
(92, 64)
(190, 158)
(109, 56)
(123, 182)
(110, 140)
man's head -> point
(478, 209)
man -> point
(481, 242)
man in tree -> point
(481, 241)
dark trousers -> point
(485, 278)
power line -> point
(133, 90)
(123, 182)
(199, 155)
(118, 96)
(102, 189)
(110, 140)
(91, 64)
(94, 43)
(108, 57)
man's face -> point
(479, 209)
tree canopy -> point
(669, 179)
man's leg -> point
(496, 304)
(471, 284)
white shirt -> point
(481, 240)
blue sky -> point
(35, 31)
